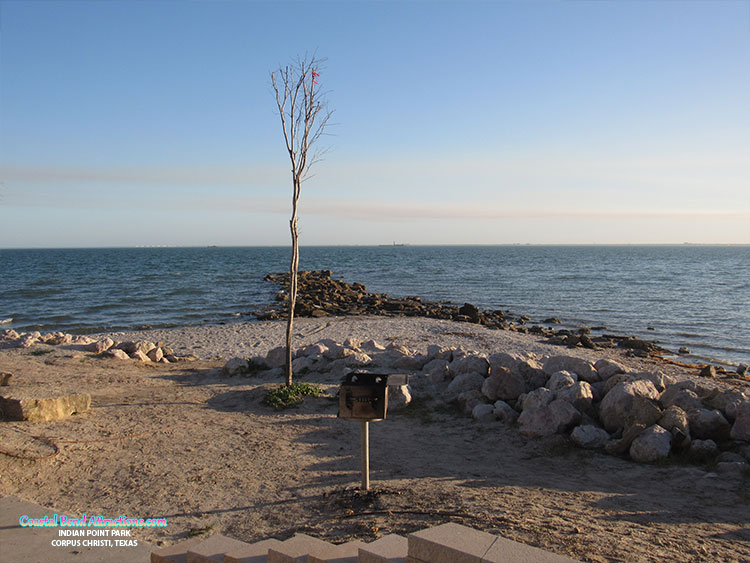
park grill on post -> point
(364, 396)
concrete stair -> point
(447, 543)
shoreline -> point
(189, 442)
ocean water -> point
(694, 296)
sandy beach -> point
(187, 442)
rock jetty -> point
(321, 295)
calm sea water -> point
(694, 296)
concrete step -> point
(454, 543)
(296, 549)
(176, 553)
(251, 553)
(212, 550)
(508, 551)
(342, 553)
(388, 549)
(449, 543)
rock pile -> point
(142, 350)
(601, 405)
(319, 295)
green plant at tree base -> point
(287, 396)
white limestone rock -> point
(579, 395)
(117, 353)
(538, 398)
(504, 412)
(652, 444)
(399, 396)
(708, 424)
(276, 357)
(235, 366)
(483, 413)
(503, 384)
(741, 427)
(608, 368)
(100, 346)
(589, 436)
(437, 369)
(560, 380)
(469, 364)
(618, 407)
(582, 368)
(462, 383)
(554, 418)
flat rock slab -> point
(36, 407)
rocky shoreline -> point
(320, 295)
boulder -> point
(26, 341)
(675, 420)
(741, 427)
(503, 384)
(483, 413)
(708, 424)
(399, 396)
(131, 347)
(582, 368)
(235, 366)
(608, 368)
(504, 412)
(117, 353)
(276, 357)
(462, 383)
(436, 352)
(34, 407)
(469, 364)
(313, 350)
(703, 450)
(651, 444)
(560, 380)
(100, 346)
(619, 447)
(155, 355)
(437, 369)
(532, 373)
(537, 398)
(579, 395)
(554, 418)
(303, 364)
(671, 391)
(627, 403)
(659, 380)
(409, 363)
(372, 347)
(140, 355)
(470, 399)
(505, 360)
(615, 379)
(589, 436)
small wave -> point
(6, 321)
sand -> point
(185, 442)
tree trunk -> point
(292, 282)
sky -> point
(543, 122)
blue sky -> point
(153, 123)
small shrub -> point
(284, 396)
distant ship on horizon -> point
(394, 244)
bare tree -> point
(304, 117)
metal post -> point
(365, 455)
